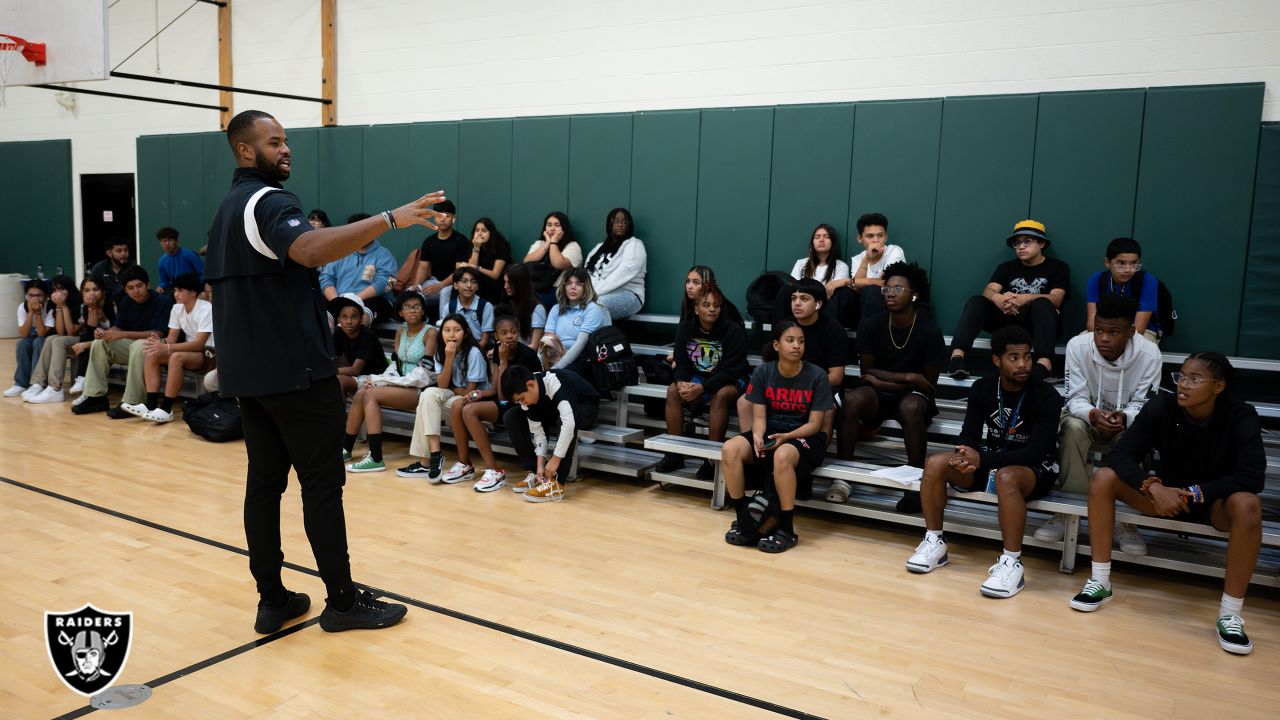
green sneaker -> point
(1094, 595)
(346, 455)
(1231, 635)
(368, 464)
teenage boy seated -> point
(1110, 374)
(175, 261)
(868, 266)
(142, 314)
(1211, 467)
(555, 402)
(1124, 276)
(825, 345)
(110, 267)
(188, 346)
(1027, 291)
(1009, 446)
(368, 272)
(357, 347)
(901, 354)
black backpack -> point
(213, 417)
(762, 293)
(609, 364)
(1165, 311)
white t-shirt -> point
(48, 314)
(199, 320)
(820, 272)
(892, 254)
(573, 252)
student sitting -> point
(318, 219)
(617, 267)
(35, 323)
(901, 354)
(1026, 292)
(711, 372)
(823, 264)
(142, 314)
(440, 254)
(478, 407)
(868, 266)
(519, 300)
(555, 402)
(554, 252)
(64, 303)
(463, 298)
(357, 347)
(698, 276)
(188, 346)
(1110, 374)
(175, 261)
(110, 267)
(825, 345)
(575, 316)
(367, 272)
(366, 406)
(1124, 276)
(490, 254)
(462, 371)
(95, 315)
(1007, 446)
(1211, 467)
(790, 399)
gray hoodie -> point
(1094, 382)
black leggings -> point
(1040, 318)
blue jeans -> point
(621, 304)
(28, 353)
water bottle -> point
(59, 271)
(40, 272)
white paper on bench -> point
(904, 474)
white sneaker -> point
(50, 395)
(1129, 540)
(14, 391)
(1052, 531)
(77, 387)
(159, 416)
(31, 391)
(458, 473)
(1004, 579)
(530, 480)
(138, 410)
(79, 400)
(491, 480)
(930, 555)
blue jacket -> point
(346, 275)
(171, 266)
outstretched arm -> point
(317, 247)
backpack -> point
(609, 363)
(478, 307)
(762, 293)
(213, 417)
(1165, 311)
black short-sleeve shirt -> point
(825, 343)
(922, 344)
(268, 313)
(365, 345)
(1014, 277)
(444, 255)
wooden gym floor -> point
(623, 601)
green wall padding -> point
(154, 193)
(386, 179)
(304, 179)
(599, 173)
(217, 167)
(539, 178)
(484, 173)
(734, 160)
(340, 166)
(1195, 196)
(812, 152)
(984, 187)
(664, 201)
(895, 172)
(1258, 336)
(1086, 171)
(37, 209)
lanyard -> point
(1013, 416)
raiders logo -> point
(88, 647)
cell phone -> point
(769, 443)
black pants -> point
(1040, 318)
(303, 430)
(82, 360)
(516, 421)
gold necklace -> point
(911, 330)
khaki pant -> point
(103, 354)
(52, 365)
(433, 403)
(1078, 441)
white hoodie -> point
(1094, 382)
(625, 270)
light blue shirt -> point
(347, 275)
(568, 324)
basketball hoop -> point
(11, 46)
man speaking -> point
(275, 354)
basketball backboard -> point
(74, 33)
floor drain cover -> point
(121, 696)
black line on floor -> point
(439, 609)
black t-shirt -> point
(1014, 277)
(789, 400)
(365, 345)
(153, 314)
(525, 356)
(922, 345)
(825, 343)
(269, 316)
(444, 255)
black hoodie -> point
(719, 356)
(1034, 440)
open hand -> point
(419, 211)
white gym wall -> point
(408, 60)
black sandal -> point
(779, 541)
(735, 536)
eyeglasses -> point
(1023, 242)
(1126, 265)
(893, 290)
(1191, 381)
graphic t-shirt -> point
(922, 344)
(1014, 277)
(789, 400)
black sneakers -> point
(910, 503)
(368, 613)
(271, 619)
(956, 370)
(670, 462)
(706, 471)
(118, 413)
(91, 405)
